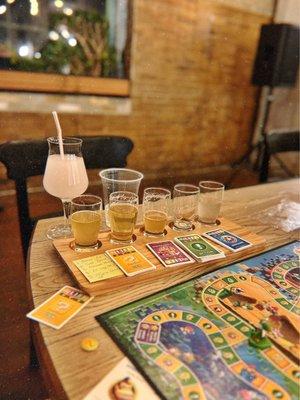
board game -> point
(230, 334)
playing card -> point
(227, 239)
(97, 268)
(122, 382)
(199, 248)
(131, 261)
(59, 308)
(169, 254)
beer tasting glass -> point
(86, 222)
(123, 209)
(116, 180)
(155, 208)
(210, 201)
(65, 177)
(185, 205)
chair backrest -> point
(24, 159)
(281, 142)
(277, 142)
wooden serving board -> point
(171, 275)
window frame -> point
(63, 84)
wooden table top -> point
(69, 371)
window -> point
(71, 38)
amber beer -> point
(155, 222)
(122, 219)
(85, 226)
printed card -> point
(199, 248)
(59, 308)
(122, 382)
(97, 268)
(227, 239)
(169, 254)
(131, 261)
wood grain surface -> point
(54, 83)
(161, 273)
(69, 371)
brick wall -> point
(192, 103)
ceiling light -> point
(59, 3)
(2, 9)
(65, 33)
(23, 50)
(10, 1)
(34, 7)
(68, 11)
(72, 42)
(53, 35)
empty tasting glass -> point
(185, 205)
(211, 197)
(65, 177)
(116, 180)
(123, 209)
(156, 210)
(86, 222)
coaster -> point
(171, 225)
(85, 249)
(218, 222)
(142, 230)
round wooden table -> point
(69, 371)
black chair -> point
(278, 143)
(24, 159)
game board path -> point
(217, 337)
(211, 294)
(280, 275)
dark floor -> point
(17, 380)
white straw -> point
(59, 134)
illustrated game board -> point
(231, 334)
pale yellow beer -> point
(156, 210)
(122, 219)
(85, 227)
(155, 221)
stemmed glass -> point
(65, 177)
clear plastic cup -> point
(210, 201)
(118, 180)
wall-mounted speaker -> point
(277, 57)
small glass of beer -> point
(155, 207)
(185, 204)
(123, 210)
(86, 222)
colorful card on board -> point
(131, 261)
(59, 308)
(227, 239)
(199, 248)
(122, 382)
(169, 254)
(97, 268)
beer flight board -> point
(161, 275)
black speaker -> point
(277, 57)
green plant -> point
(91, 55)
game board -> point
(230, 334)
